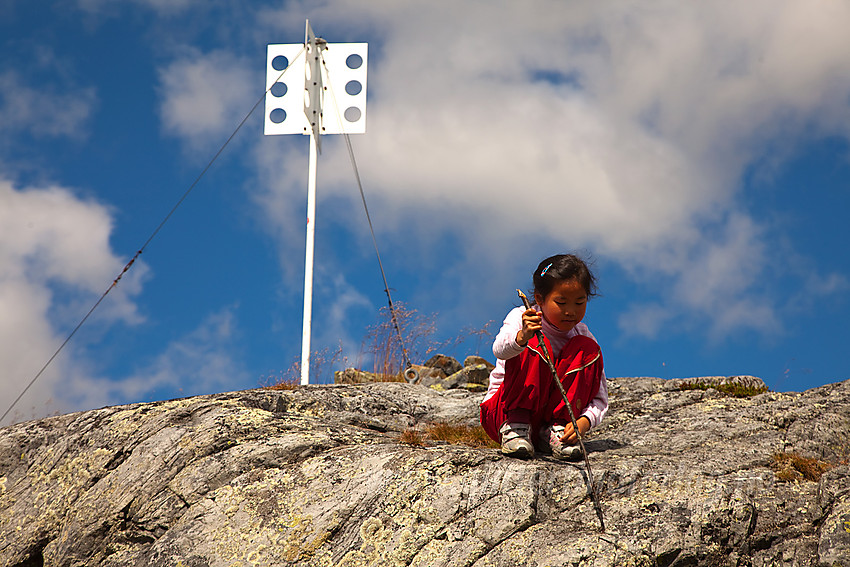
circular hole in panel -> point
(279, 89)
(353, 87)
(277, 115)
(354, 61)
(280, 63)
(352, 114)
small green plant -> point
(792, 467)
(732, 389)
(454, 434)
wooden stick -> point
(547, 357)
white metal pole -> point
(293, 107)
(308, 262)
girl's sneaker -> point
(550, 442)
(516, 441)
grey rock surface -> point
(473, 377)
(316, 476)
(447, 364)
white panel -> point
(285, 114)
(344, 100)
(344, 111)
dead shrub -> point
(412, 437)
(321, 362)
(792, 467)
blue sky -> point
(697, 152)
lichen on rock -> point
(317, 476)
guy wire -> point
(393, 317)
(350, 149)
(145, 245)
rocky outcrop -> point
(317, 476)
(440, 372)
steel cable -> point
(410, 373)
(143, 247)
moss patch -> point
(734, 390)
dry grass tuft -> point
(283, 384)
(389, 378)
(321, 362)
(791, 467)
(382, 338)
(382, 343)
(454, 434)
(412, 437)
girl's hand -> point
(532, 321)
(569, 437)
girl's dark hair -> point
(563, 267)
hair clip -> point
(546, 269)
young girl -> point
(523, 407)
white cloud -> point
(719, 79)
(645, 320)
(205, 96)
(827, 285)
(54, 253)
(280, 199)
(625, 129)
(56, 262)
(331, 325)
(163, 7)
(201, 362)
(635, 145)
(44, 109)
(720, 271)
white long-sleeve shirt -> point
(506, 347)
